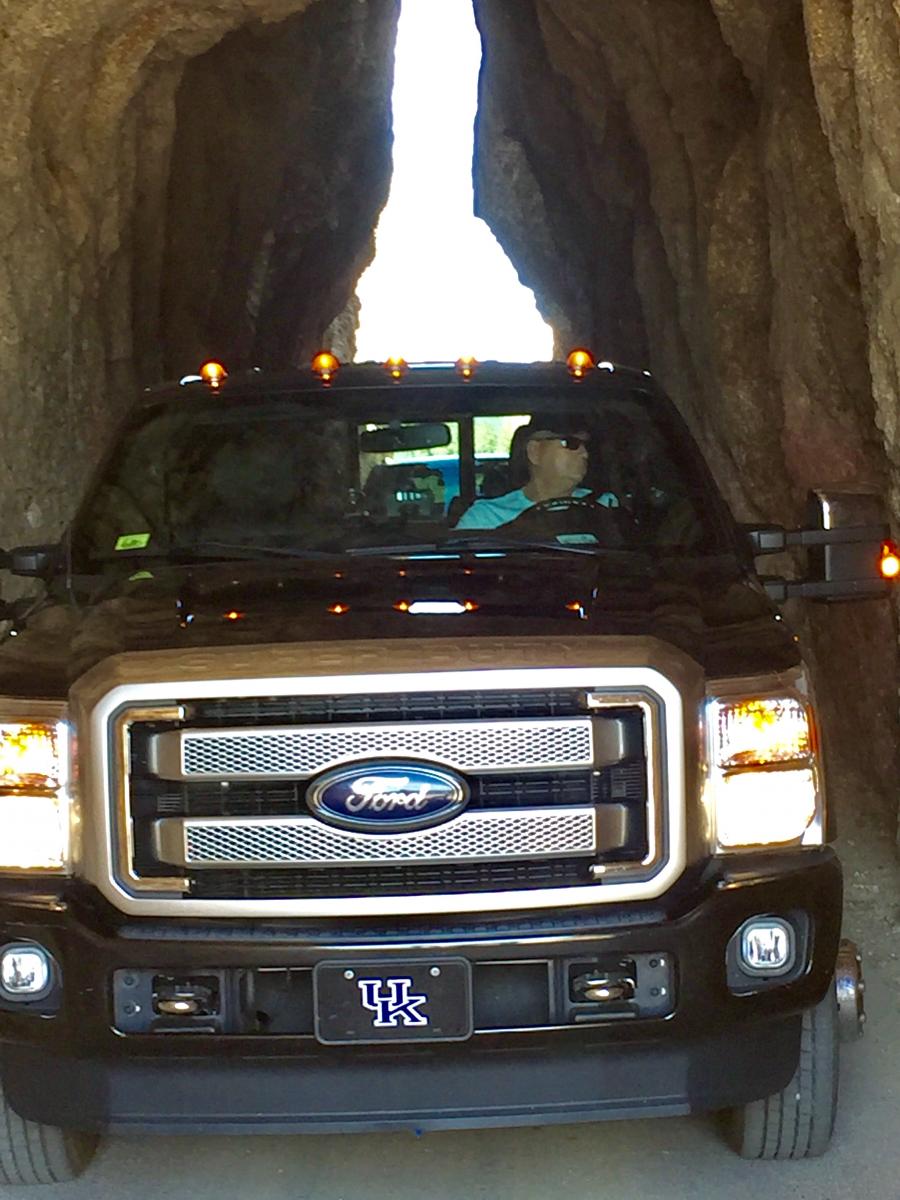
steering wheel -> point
(572, 514)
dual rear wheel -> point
(798, 1121)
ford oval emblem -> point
(387, 796)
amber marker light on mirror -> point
(466, 366)
(579, 363)
(889, 565)
(397, 366)
(213, 374)
(338, 609)
(326, 366)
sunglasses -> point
(567, 443)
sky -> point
(440, 286)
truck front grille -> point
(564, 785)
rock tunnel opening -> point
(440, 286)
(704, 187)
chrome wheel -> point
(850, 988)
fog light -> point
(767, 946)
(25, 972)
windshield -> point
(378, 468)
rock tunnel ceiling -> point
(707, 187)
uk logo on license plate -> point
(392, 1002)
(407, 1000)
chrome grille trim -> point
(298, 752)
(306, 842)
(129, 688)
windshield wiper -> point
(185, 553)
(192, 551)
(508, 544)
(251, 550)
(481, 544)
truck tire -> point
(35, 1153)
(798, 1121)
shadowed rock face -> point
(178, 179)
(707, 187)
(280, 165)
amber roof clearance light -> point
(326, 365)
(579, 363)
(465, 366)
(889, 566)
(397, 366)
(213, 374)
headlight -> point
(763, 787)
(34, 795)
(761, 733)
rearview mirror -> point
(38, 561)
(420, 436)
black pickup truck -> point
(354, 777)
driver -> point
(557, 459)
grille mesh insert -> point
(538, 833)
(466, 746)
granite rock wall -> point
(177, 178)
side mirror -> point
(846, 539)
(841, 513)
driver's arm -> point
(494, 512)
(475, 518)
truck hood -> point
(710, 609)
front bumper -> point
(714, 1048)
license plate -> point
(399, 1001)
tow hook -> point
(599, 988)
(850, 988)
(183, 998)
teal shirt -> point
(490, 514)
